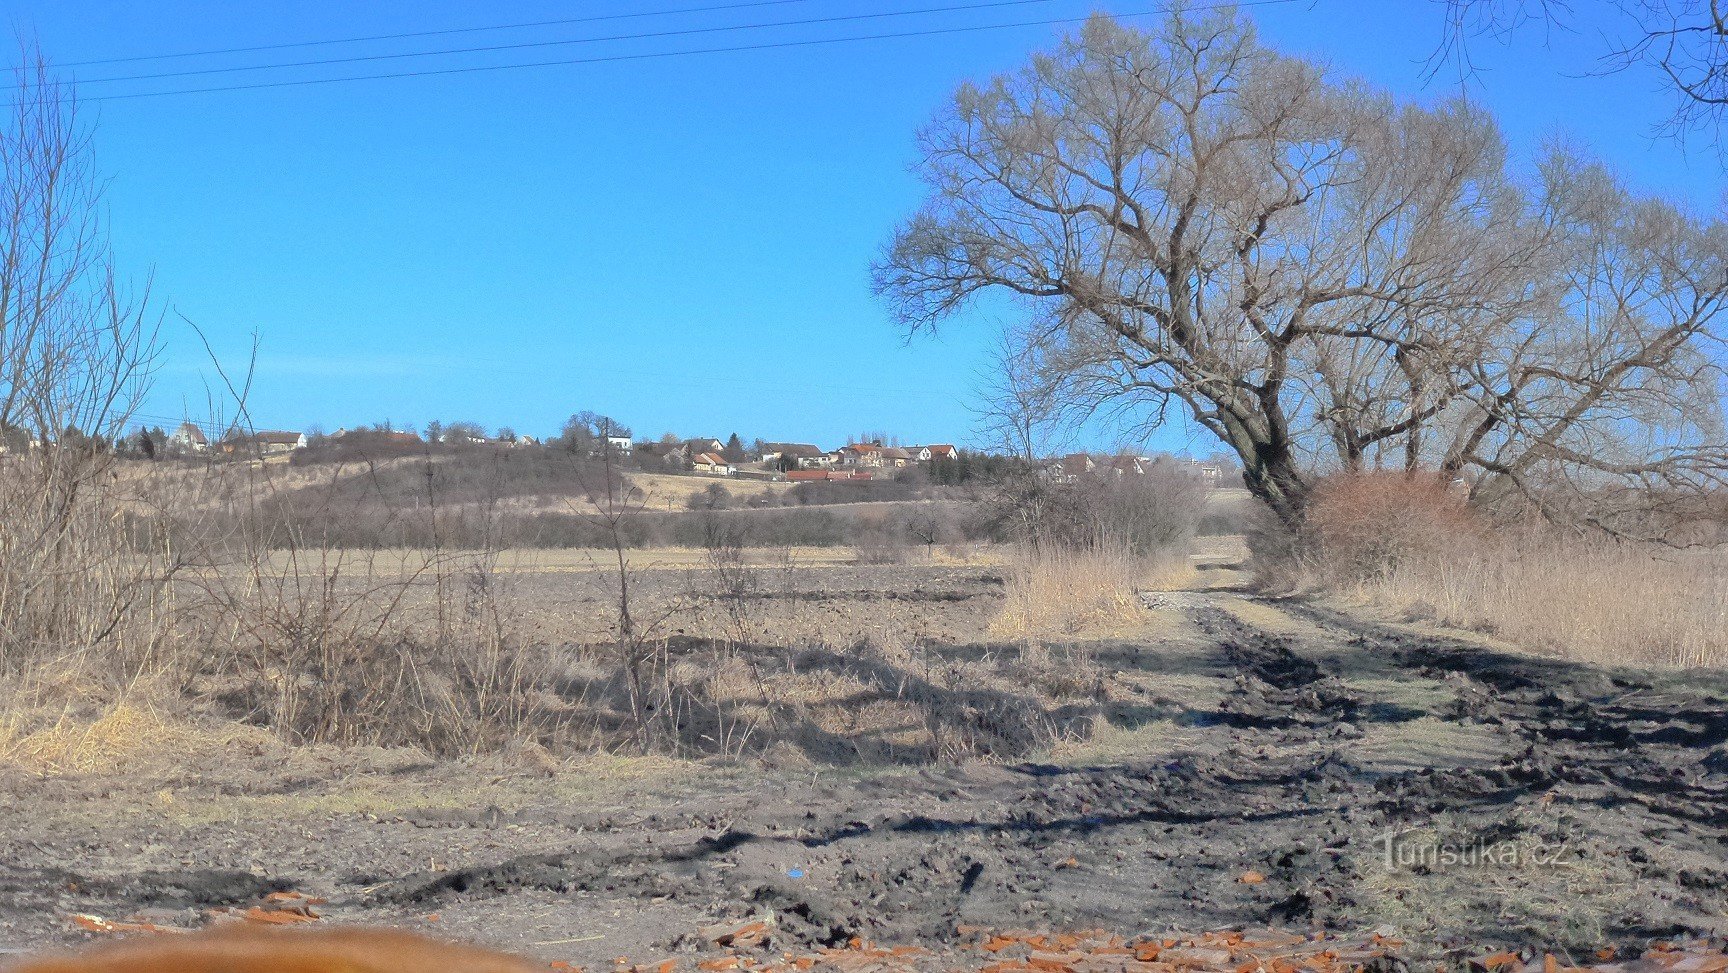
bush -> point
(1366, 525)
(1149, 514)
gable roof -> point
(940, 449)
(709, 459)
(794, 449)
(1075, 464)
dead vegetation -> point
(1063, 591)
(1412, 544)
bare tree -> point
(76, 351)
(1318, 275)
(1683, 42)
(1020, 409)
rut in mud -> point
(1463, 796)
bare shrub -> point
(328, 646)
(712, 497)
(1150, 513)
(1365, 525)
(76, 351)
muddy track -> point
(1599, 765)
(1584, 806)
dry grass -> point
(1413, 545)
(123, 736)
(668, 491)
(1600, 602)
(1064, 591)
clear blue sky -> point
(682, 243)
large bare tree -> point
(1323, 277)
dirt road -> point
(1370, 776)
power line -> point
(430, 33)
(528, 45)
(656, 55)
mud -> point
(1467, 798)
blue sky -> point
(683, 243)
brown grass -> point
(118, 737)
(1411, 544)
(1065, 591)
(1597, 601)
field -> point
(1205, 758)
(668, 492)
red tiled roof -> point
(1075, 464)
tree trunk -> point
(1270, 474)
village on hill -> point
(878, 457)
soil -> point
(1249, 775)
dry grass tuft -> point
(1067, 591)
(125, 734)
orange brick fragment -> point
(278, 917)
(99, 924)
(295, 897)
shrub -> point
(1365, 525)
(1148, 514)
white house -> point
(712, 463)
(189, 438)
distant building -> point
(712, 463)
(398, 436)
(1129, 465)
(895, 456)
(801, 456)
(670, 455)
(1210, 473)
(860, 455)
(1072, 467)
(265, 442)
(696, 447)
(189, 439)
(806, 476)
